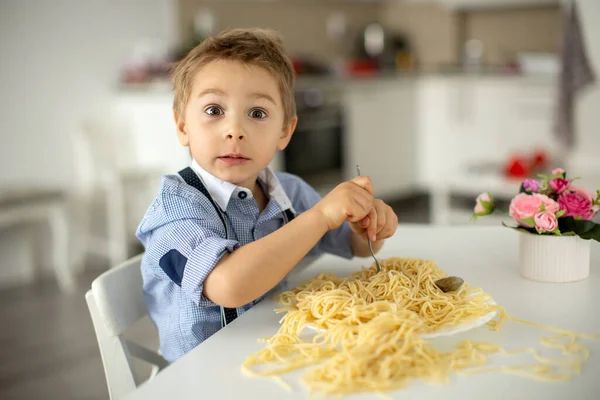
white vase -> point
(554, 258)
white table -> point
(484, 256)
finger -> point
(365, 222)
(361, 225)
(363, 203)
(365, 183)
(381, 214)
(357, 228)
(358, 211)
(372, 230)
(390, 226)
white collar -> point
(221, 191)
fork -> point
(368, 239)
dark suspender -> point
(190, 177)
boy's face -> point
(234, 121)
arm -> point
(257, 267)
(252, 270)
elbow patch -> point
(173, 264)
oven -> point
(315, 152)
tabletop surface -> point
(486, 257)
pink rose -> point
(576, 203)
(524, 207)
(549, 204)
(559, 185)
(545, 222)
(558, 171)
(584, 192)
(484, 204)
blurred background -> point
(436, 100)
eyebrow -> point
(263, 96)
(219, 92)
(211, 91)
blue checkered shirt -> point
(184, 239)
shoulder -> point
(176, 201)
(301, 194)
(174, 194)
(293, 185)
(291, 181)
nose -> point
(235, 132)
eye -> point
(214, 111)
(257, 113)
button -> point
(242, 195)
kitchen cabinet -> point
(380, 135)
(492, 117)
(486, 118)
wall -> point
(302, 23)
(588, 115)
(506, 32)
(60, 61)
(438, 32)
(431, 28)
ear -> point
(286, 133)
(182, 135)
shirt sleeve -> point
(337, 241)
(187, 250)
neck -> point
(259, 195)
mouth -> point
(234, 158)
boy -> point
(225, 231)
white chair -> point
(116, 302)
(107, 177)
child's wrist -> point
(318, 219)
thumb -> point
(365, 183)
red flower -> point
(559, 185)
(576, 205)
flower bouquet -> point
(554, 218)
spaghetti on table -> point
(370, 328)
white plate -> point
(466, 326)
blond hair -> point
(259, 47)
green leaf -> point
(592, 234)
(521, 228)
(569, 234)
(582, 228)
(522, 188)
(542, 176)
(560, 213)
(543, 207)
(528, 221)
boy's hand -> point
(379, 224)
(349, 201)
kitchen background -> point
(436, 100)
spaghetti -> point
(371, 332)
